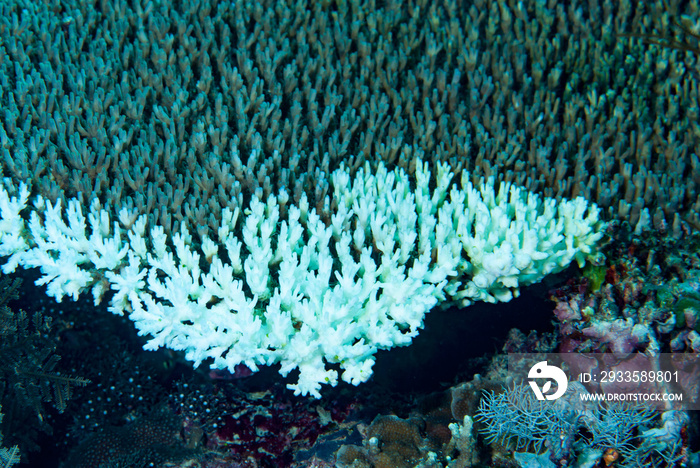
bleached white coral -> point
(297, 289)
(512, 237)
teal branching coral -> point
(28, 378)
(569, 429)
(8, 456)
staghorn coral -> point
(308, 295)
(183, 109)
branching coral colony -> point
(280, 285)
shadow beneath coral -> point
(456, 343)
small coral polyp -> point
(285, 284)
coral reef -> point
(568, 429)
(180, 110)
(124, 121)
(145, 441)
(308, 295)
(439, 433)
(645, 298)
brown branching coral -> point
(686, 40)
(181, 110)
